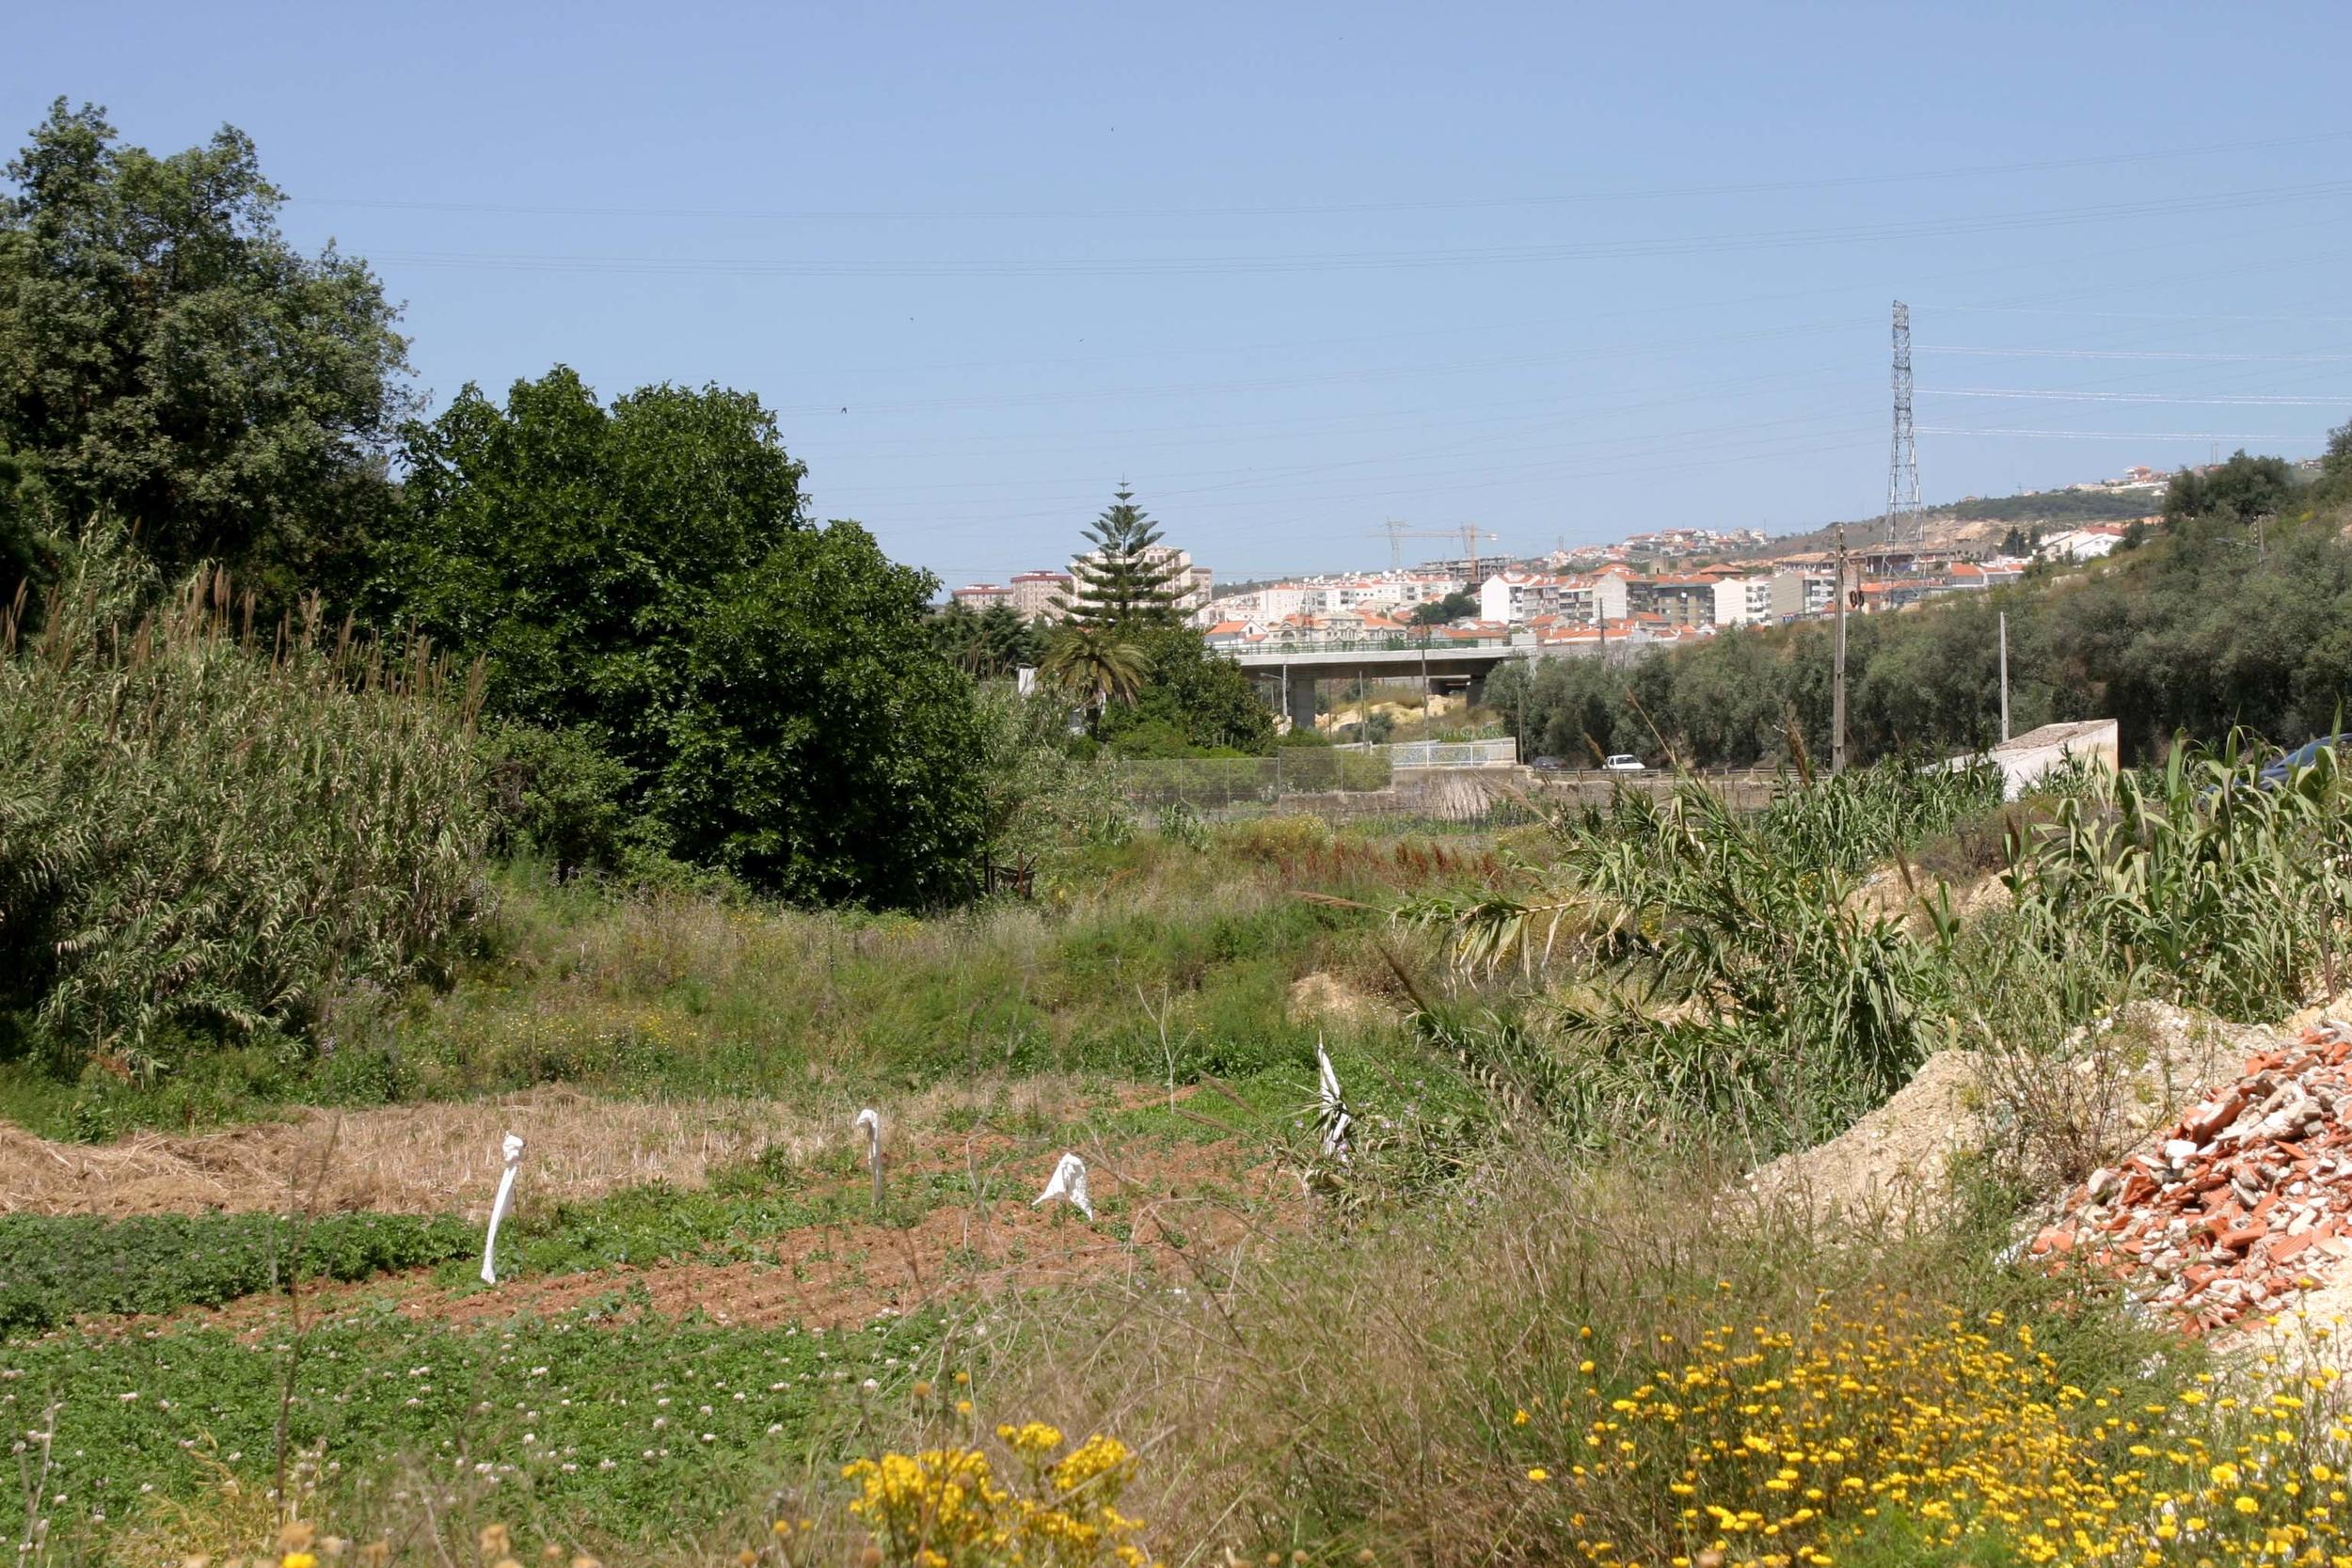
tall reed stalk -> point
(209, 828)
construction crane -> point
(1469, 533)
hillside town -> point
(1649, 590)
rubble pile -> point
(2241, 1204)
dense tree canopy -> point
(166, 356)
(1189, 700)
(576, 549)
(642, 579)
(821, 747)
(1454, 606)
(2199, 632)
(2241, 490)
(990, 642)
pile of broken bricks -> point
(2240, 1204)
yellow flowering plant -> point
(951, 1507)
(1899, 1424)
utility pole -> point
(1525, 685)
(1837, 669)
(1424, 682)
(2004, 677)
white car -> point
(1624, 762)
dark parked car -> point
(1550, 764)
(2302, 756)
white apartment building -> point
(983, 596)
(2082, 543)
(1516, 598)
(1742, 601)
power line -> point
(1294, 210)
(2107, 435)
(2298, 319)
(2164, 355)
(2260, 400)
(1359, 261)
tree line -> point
(679, 664)
(2235, 613)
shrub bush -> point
(208, 828)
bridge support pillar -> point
(1299, 697)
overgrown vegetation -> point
(694, 994)
(211, 828)
(2200, 882)
(1718, 966)
(2226, 620)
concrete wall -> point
(2025, 759)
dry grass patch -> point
(443, 1157)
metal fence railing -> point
(1446, 753)
(1434, 647)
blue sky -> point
(1562, 271)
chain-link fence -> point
(1217, 782)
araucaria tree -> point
(1127, 584)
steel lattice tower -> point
(1902, 464)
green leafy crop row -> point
(53, 1266)
(607, 1423)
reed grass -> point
(210, 830)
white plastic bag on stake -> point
(513, 1149)
(1334, 1118)
(1069, 1184)
(869, 1122)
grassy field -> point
(1526, 1320)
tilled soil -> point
(1167, 1209)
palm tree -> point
(1097, 666)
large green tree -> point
(1191, 694)
(641, 577)
(167, 356)
(1127, 582)
(1438, 612)
(2241, 489)
(990, 642)
(576, 548)
(821, 747)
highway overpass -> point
(1290, 674)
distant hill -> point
(2056, 506)
(1981, 519)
